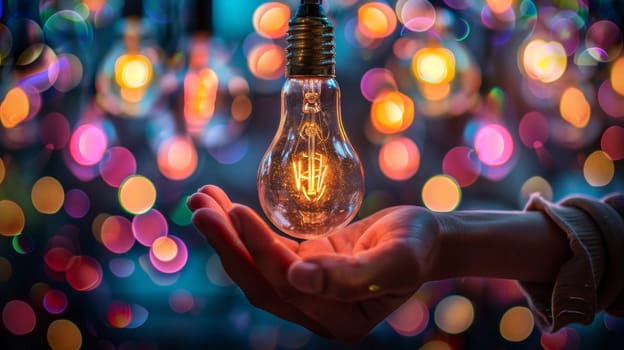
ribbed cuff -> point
(608, 218)
(572, 298)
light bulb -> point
(200, 87)
(310, 180)
(128, 81)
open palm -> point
(340, 285)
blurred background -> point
(113, 112)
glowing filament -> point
(310, 181)
(310, 167)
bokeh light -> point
(493, 144)
(499, 6)
(47, 195)
(177, 158)
(461, 163)
(88, 144)
(416, 15)
(410, 319)
(533, 129)
(617, 76)
(271, 19)
(149, 226)
(399, 159)
(392, 112)
(434, 65)
(55, 131)
(70, 72)
(516, 324)
(612, 142)
(171, 264)
(117, 234)
(55, 301)
(133, 72)
(536, 184)
(12, 219)
(18, 317)
(436, 345)
(441, 193)
(57, 258)
(137, 194)
(611, 102)
(139, 316)
(119, 314)
(117, 164)
(574, 108)
(377, 81)
(121, 267)
(14, 108)
(454, 314)
(603, 40)
(63, 334)
(376, 20)
(164, 249)
(598, 169)
(554, 341)
(544, 61)
(181, 301)
(77, 203)
(266, 61)
(83, 273)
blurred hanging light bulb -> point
(310, 180)
(200, 87)
(127, 82)
(201, 82)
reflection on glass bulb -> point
(310, 180)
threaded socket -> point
(310, 49)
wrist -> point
(511, 244)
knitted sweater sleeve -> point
(592, 280)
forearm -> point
(516, 245)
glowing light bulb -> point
(310, 180)
(200, 87)
(128, 81)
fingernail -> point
(307, 277)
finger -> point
(239, 265)
(218, 195)
(269, 250)
(216, 227)
(387, 269)
(201, 200)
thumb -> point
(387, 268)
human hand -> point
(341, 285)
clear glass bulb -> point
(310, 180)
